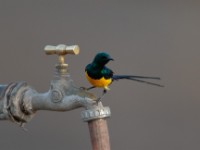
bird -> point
(100, 76)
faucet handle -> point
(61, 50)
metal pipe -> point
(99, 134)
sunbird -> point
(101, 76)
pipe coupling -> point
(95, 113)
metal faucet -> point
(19, 102)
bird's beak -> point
(111, 59)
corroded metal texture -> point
(12, 106)
(5, 91)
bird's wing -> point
(107, 73)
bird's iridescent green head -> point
(102, 59)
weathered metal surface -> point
(12, 106)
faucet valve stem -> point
(61, 50)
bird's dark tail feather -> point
(137, 78)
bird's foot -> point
(87, 89)
(83, 88)
(98, 100)
(92, 87)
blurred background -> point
(152, 38)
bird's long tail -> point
(137, 78)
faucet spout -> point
(19, 102)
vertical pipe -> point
(99, 134)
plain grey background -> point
(155, 38)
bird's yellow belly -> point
(99, 82)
